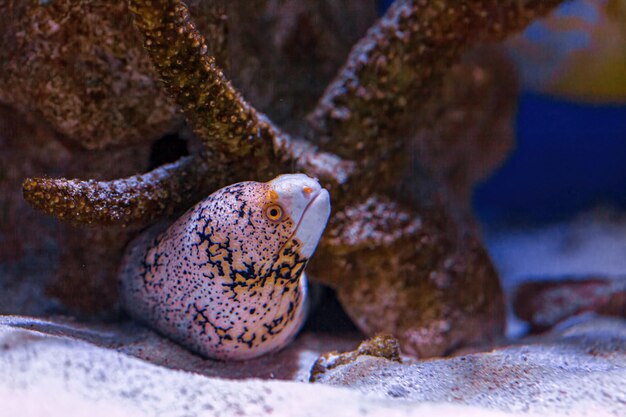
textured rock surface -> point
(591, 244)
(295, 47)
(45, 266)
(426, 279)
(58, 376)
(379, 346)
(468, 131)
(67, 376)
(578, 371)
(581, 371)
(88, 75)
(421, 279)
(292, 364)
(90, 78)
(545, 303)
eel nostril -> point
(307, 191)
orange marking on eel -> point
(272, 196)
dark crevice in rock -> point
(167, 149)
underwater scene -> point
(313, 207)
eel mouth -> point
(313, 222)
(304, 212)
(311, 225)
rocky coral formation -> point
(46, 266)
(379, 346)
(87, 73)
(400, 257)
(546, 303)
(90, 77)
(468, 131)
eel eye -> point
(274, 212)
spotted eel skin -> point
(227, 279)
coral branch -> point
(416, 269)
(367, 113)
(235, 134)
(364, 111)
(231, 129)
(242, 144)
(135, 200)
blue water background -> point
(569, 157)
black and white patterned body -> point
(227, 278)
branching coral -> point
(364, 111)
(82, 101)
(368, 111)
(240, 142)
(400, 264)
(132, 200)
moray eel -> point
(227, 279)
